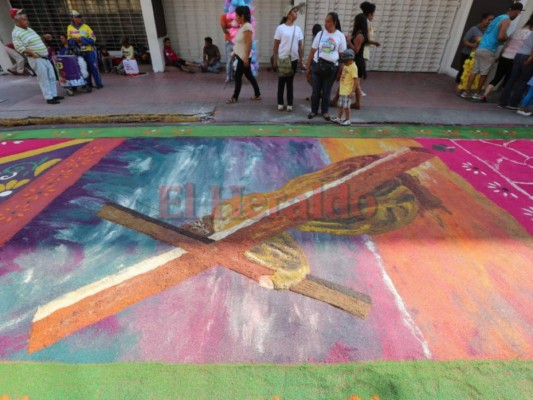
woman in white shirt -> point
(324, 56)
(288, 42)
(242, 52)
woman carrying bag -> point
(324, 55)
(287, 54)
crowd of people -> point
(511, 55)
(335, 56)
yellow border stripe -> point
(46, 149)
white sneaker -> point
(335, 119)
(363, 94)
(525, 113)
(476, 96)
(465, 95)
(346, 122)
(289, 108)
(280, 107)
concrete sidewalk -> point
(417, 98)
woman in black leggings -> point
(241, 51)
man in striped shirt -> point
(27, 42)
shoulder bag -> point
(285, 64)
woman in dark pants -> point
(324, 55)
(288, 42)
(242, 51)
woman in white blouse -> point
(324, 56)
(288, 42)
(242, 52)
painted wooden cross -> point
(195, 253)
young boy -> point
(347, 86)
(172, 58)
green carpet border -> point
(457, 380)
(251, 130)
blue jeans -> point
(517, 83)
(322, 81)
(528, 99)
(92, 65)
(215, 67)
(229, 68)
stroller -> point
(72, 72)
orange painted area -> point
(462, 271)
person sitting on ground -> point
(485, 55)
(171, 58)
(347, 86)
(211, 56)
(106, 59)
(128, 53)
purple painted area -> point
(11, 344)
(8, 254)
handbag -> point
(285, 64)
(285, 67)
(325, 66)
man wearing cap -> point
(485, 55)
(28, 42)
(81, 35)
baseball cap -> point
(74, 13)
(347, 54)
(517, 6)
(15, 11)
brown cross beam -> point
(360, 175)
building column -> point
(155, 44)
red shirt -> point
(170, 56)
(227, 23)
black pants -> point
(247, 72)
(505, 67)
(287, 80)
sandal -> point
(255, 97)
(326, 116)
(311, 115)
(231, 100)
